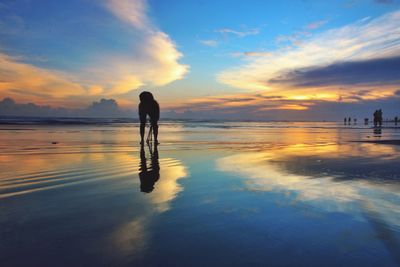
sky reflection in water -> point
(211, 195)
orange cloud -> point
(265, 102)
(286, 107)
(153, 62)
(286, 102)
(18, 78)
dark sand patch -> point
(386, 142)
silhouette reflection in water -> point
(149, 175)
(377, 131)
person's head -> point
(146, 97)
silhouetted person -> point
(380, 117)
(376, 119)
(148, 106)
(396, 120)
(345, 121)
(349, 120)
(366, 121)
(355, 121)
(149, 175)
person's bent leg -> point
(155, 131)
(142, 126)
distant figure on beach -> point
(148, 106)
(349, 120)
(355, 121)
(378, 118)
(366, 121)
(149, 175)
(396, 120)
(345, 121)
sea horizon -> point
(61, 119)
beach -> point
(211, 194)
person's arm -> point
(140, 109)
(142, 113)
(142, 119)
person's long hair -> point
(146, 97)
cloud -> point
(361, 41)
(150, 58)
(316, 24)
(224, 33)
(366, 72)
(132, 12)
(103, 108)
(256, 106)
(237, 33)
(212, 43)
(257, 54)
(154, 63)
(239, 106)
(252, 54)
(295, 38)
(18, 78)
(236, 106)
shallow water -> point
(212, 194)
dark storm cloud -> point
(376, 71)
(103, 108)
(106, 107)
(8, 107)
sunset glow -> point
(265, 59)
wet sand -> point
(212, 194)
(385, 142)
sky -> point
(254, 59)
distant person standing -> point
(148, 106)
(396, 120)
(380, 118)
(345, 121)
(376, 118)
